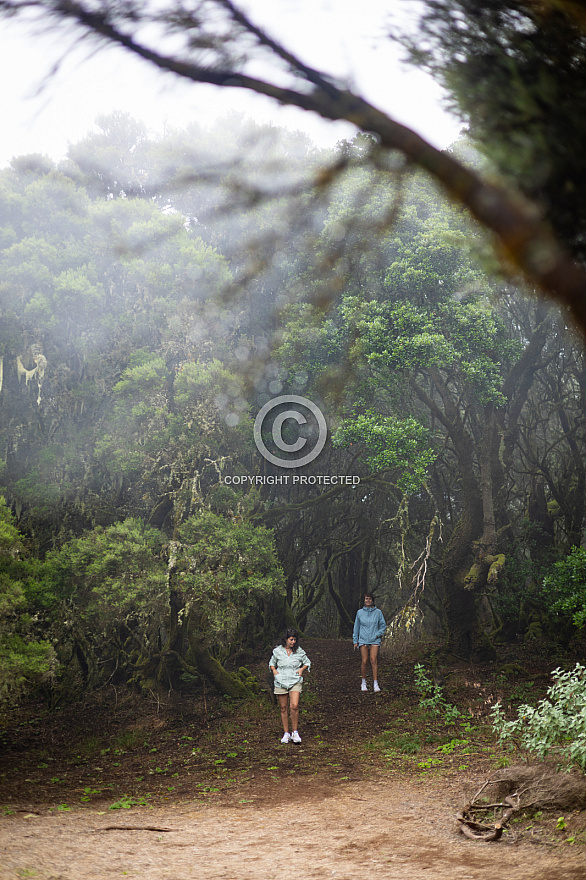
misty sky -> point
(43, 113)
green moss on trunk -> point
(226, 682)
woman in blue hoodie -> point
(369, 628)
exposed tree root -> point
(521, 787)
(472, 819)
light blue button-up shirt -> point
(287, 666)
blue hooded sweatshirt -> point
(369, 626)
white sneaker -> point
(286, 738)
(376, 688)
(295, 737)
(363, 686)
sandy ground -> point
(330, 808)
(384, 829)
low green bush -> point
(431, 697)
(557, 722)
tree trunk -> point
(226, 682)
(459, 601)
(486, 481)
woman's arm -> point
(382, 625)
(305, 662)
(356, 631)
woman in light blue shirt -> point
(369, 628)
(288, 663)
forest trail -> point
(325, 809)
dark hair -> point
(370, 596)
(287, 635)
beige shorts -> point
(295, 687)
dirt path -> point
(385, 830)
(325, 809)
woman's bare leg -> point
(363, 659)
(284, 713)
(374, 661)
(294, 708)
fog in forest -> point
(159, 291)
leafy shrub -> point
(229, 576)
(558, 721)
(566, 586)
(24, 660)
(432, 697)
(113, 574)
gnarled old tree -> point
(469, 376)
(137, 609)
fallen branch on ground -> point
(475, 830)
(133, 828)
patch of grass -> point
(431, 738)
(128, 739)
(468, 727)
(523, 692)
(90, 746)
(429, 763)
(449, 747)
(126, 802)
(408, 744)
(88, 792)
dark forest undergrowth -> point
(118, 752)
